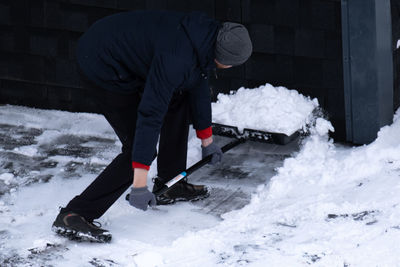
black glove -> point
(214, 150)
(141, 197)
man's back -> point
(118, 50)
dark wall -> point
(395, 8)
(297, 44)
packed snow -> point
(327, 205)
(266, 108)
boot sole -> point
(79, 236)
(182, 199)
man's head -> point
(233, 46)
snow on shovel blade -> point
(253, 135)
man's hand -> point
(141, 198)
(214, 150)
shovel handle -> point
(194, 167)
(207, 159)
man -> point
(147, 72)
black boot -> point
(75, 227)
(182, 191)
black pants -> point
(120, 110)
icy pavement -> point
(47, 157)
(237, 177)
(29, 156)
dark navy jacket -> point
(158, 52)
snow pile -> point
(328, 205)
(266, 108)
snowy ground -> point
(325, 205)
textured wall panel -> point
(262, 37)
(260, 67)
(228, 10)
(309, 43)
(284, 40)
(4, 13)
(287, 13)
(258, 11)
(6, 39)
(207, 6)
(308, 72)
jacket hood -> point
(202, 32)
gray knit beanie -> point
(233, 45)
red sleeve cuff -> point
(139, 165)
(203, 134)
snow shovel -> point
(229, 131)
(253, 135)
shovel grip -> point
(207, 159)
(196, 166)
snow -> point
(58, 121)
(267, 108)
(7, 178)
(330, 205)
(327, 205)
